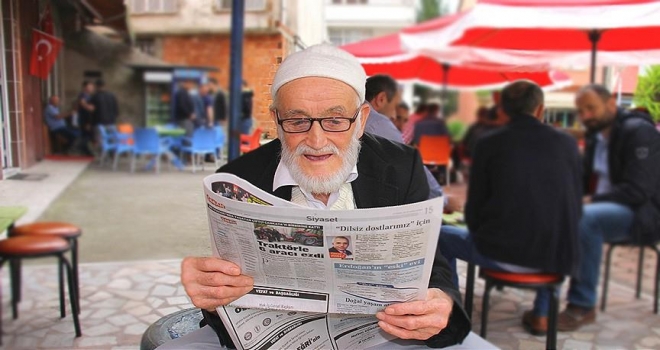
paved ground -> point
(139, 226)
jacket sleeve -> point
(479, 192)
(641, 157)
(458, 325)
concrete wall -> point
(86, 51)
(203, 16)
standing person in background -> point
(246, 109)
(85, 111)
(105, 105)
(184, 108)
(219, 104)
(197, 95)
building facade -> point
(198, 33)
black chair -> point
(502, 279)
(640, 270)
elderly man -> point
(323, 159)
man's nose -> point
(316, 137)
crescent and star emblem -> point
(47, 44)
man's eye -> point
(333, 121)
(297, 122)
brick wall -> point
(260, 60)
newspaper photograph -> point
(311, 266)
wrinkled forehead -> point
(315, 94)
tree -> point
(647, 93)
(427, 10)
(430, 9)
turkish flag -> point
(46, 21)
(44, 53)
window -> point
(146, 45)
(154, 6)
(250, 5)
(343, 36)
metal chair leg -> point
(72, 295)
(74, 265)
(551, 337)
(657, 279)
(606, 277)
(469, 289)
(484, 306)
(15, 285)
(60, 278)
(640, 270)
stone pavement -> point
(131, 280)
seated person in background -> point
(486, 118)
(402, 114)
(57, 124)
(622, 183)
(324, 162)
(409, 128)
(524, 199)
(432, 124)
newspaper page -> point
(319, 275)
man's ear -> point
(539, 112)
(380, 100)
(611, 104)
(364, 114)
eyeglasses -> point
(328, 124)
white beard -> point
(323, 184)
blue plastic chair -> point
(219, 141)
(203, 142)
(124, 143)
(147, 142)
(108, 136)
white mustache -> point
(304, 149)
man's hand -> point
(212, 282)
(586, 199)
(454, 204)
(417, 319)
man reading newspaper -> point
(322, 159)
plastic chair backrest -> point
(126, 129)
(219, 136)
(204, 139)
(435, 150)
(250, 142)
(108, 137)
(146, 140)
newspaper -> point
(319, 275)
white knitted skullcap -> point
(323, 60)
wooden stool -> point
(16, 248)
(54, 229)
(640, 270)
(528, 281)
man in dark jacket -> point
(184, 107)
(622, 202)
(524, 199)
(105, 105)
(327, 162)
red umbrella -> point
(383, 55)
(556, 32)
